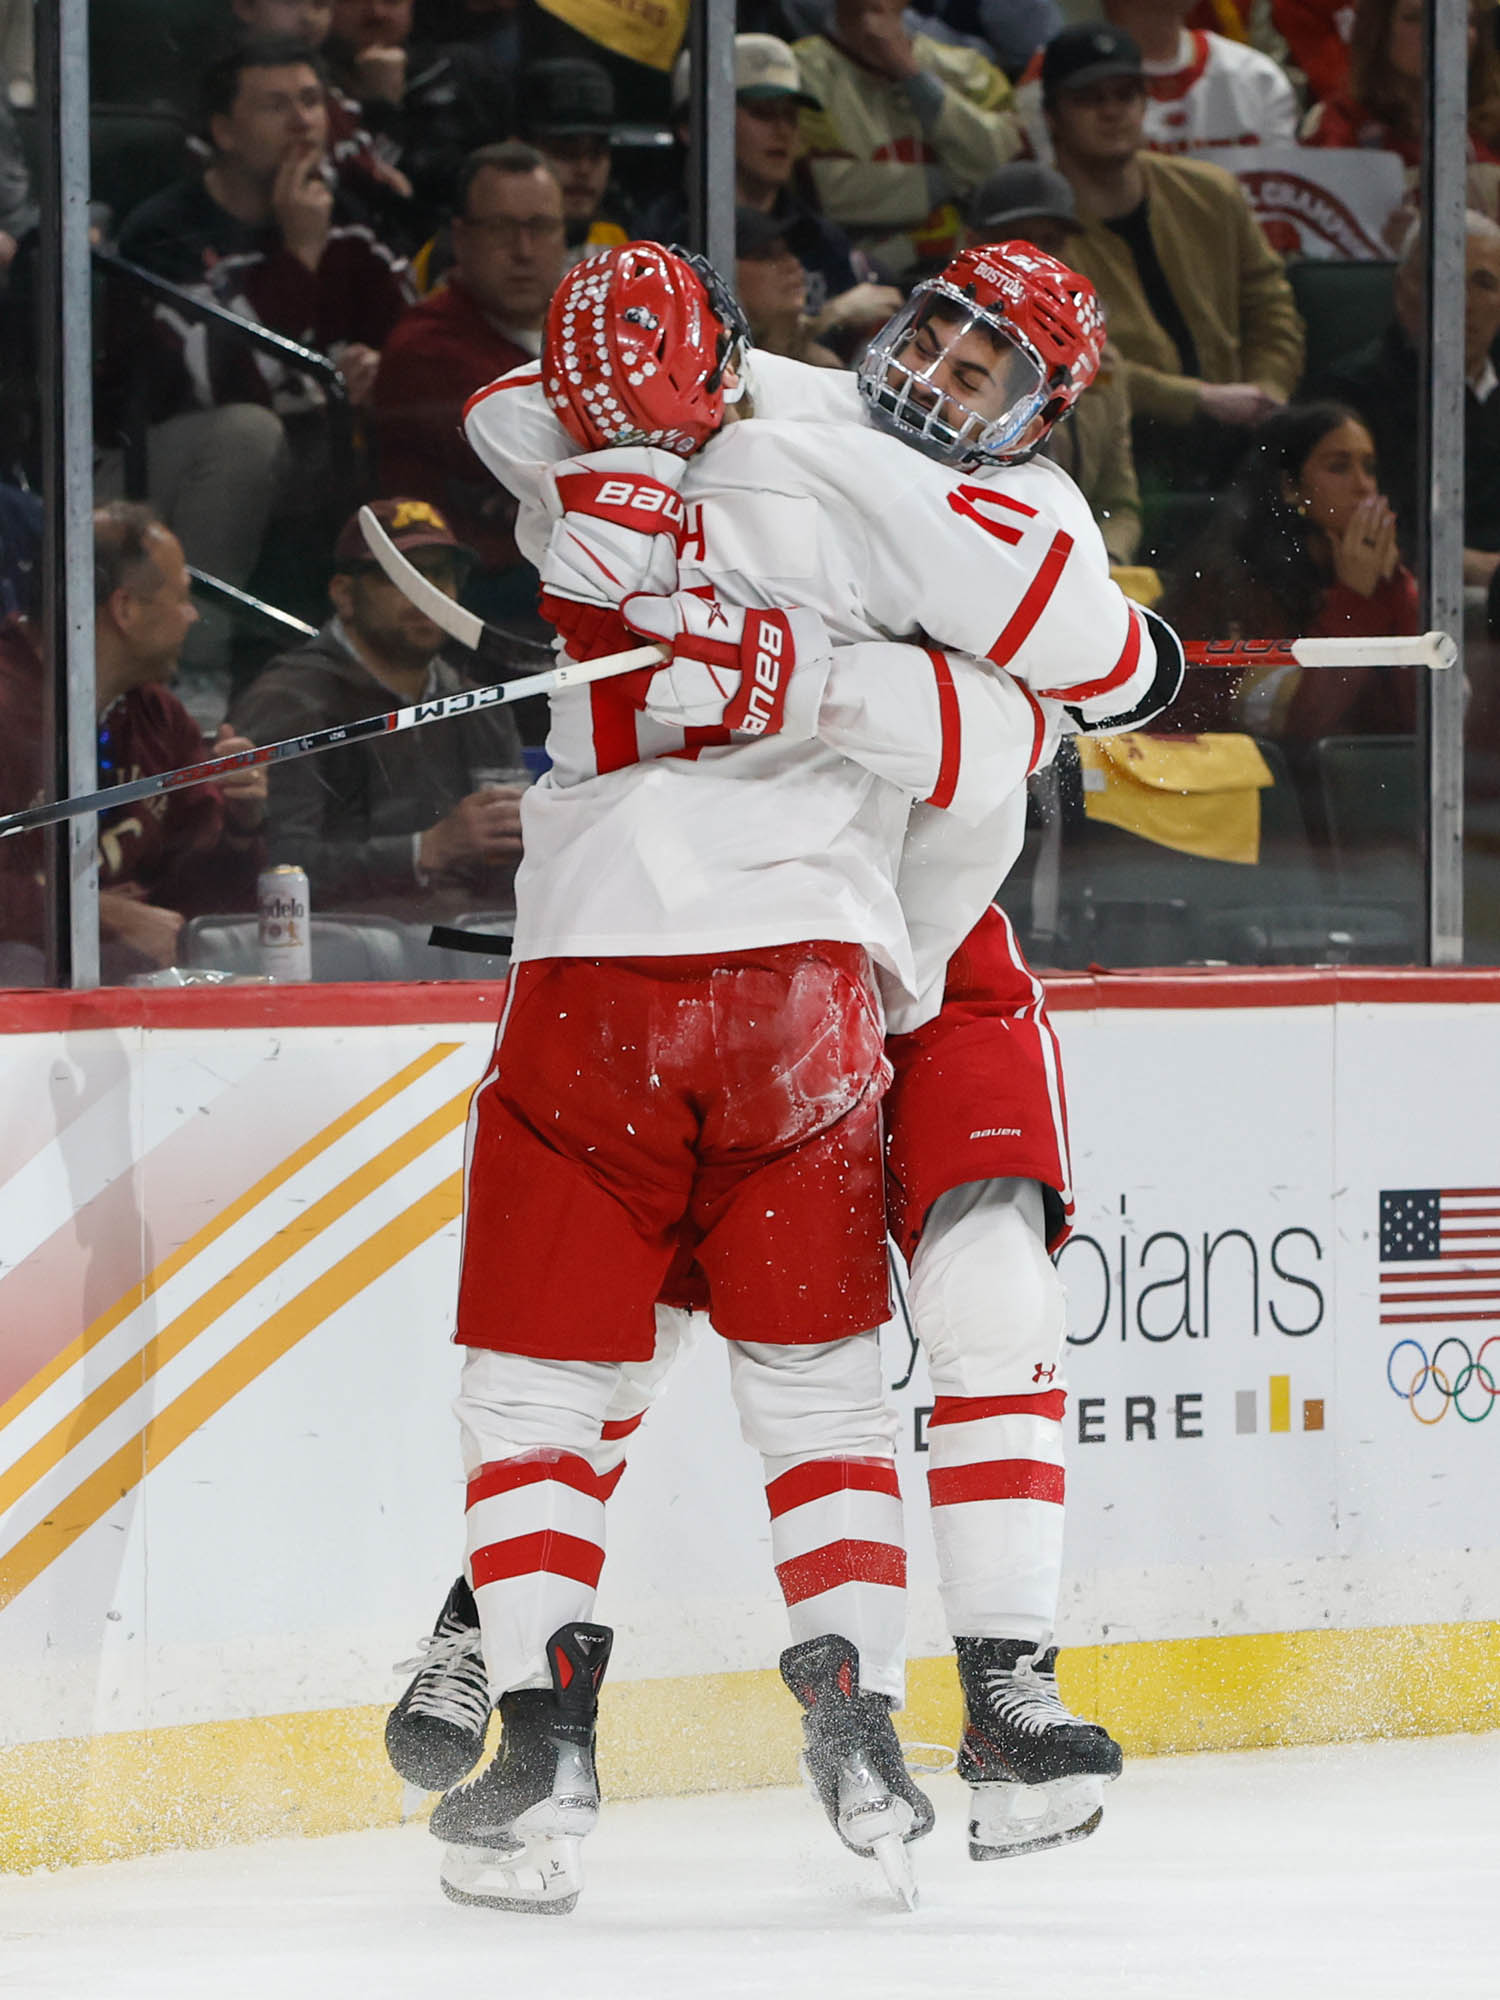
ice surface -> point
(1364, 1870)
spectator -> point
(428, 105)
(261, 231)
(772, 287)
(908, 127)
(1203, 89)
(1030, 203)
(163, 859)
(1304, 543)
(568, 114)
(1197, 300)
(1381, 380)
(509, 252)
(1008, 32)
(1382, 104)
(410, 828)
(365, 175)
(768, 101)
(18, 212)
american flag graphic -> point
(1439, 1255)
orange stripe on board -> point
(50, 1450)
(241, 1206)
(90, 1502)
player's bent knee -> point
(826, 1400)
(984, 1296)
(509, 1403)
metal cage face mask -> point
(954, 421)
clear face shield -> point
(958, 382)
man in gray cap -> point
(1029, 203)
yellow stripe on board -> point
(206, 1784)
(1281, 1403)
(143, 1288)
(333, 1288)
(134, 1373)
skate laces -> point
(1029, 1701)
(451, 1681)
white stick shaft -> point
(1434, 650)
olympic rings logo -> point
(1444, 1386)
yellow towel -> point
(1198, 794)
(648, 31)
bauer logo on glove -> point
(755, 673)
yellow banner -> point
(647, 31)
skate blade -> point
(1027, 1819)
(895, 1861)
(541, 1879)
(413, 1800)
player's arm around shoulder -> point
(514, 434)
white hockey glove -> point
(758, 673)
(619, 525)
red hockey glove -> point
(759, 673)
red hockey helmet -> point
(1003, 335)
(637, 343)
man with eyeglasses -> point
(509, 252)
(404, 828)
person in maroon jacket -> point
(161, 859)
(263, 231)
(509, 250)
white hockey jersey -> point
(1218, 92)
(641, 841)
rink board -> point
(229, 1497)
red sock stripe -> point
(1034, 603)
(831, 1475)
(528, 1555)
(995, 1479)
(504, 1475)
(621, 1427)
(610, 1480)
(974, 1409)
(838, 1563)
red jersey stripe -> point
(1119, 673)
(493, 388)
(995, 1479)
(1034, 603)
(529, 1555)
(952, 736)
(621, 1427)
(613, 718)
(815, 1481)
(505, 1475)
(839, 1563)
(974, 1409)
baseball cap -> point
(1088, 52)
(1018, 193)
(565, 95)
(755, 231)
(411, 525)
(764, 67)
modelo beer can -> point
(285, 933)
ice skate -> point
(513, 1833)
(1037, 1772)
(434, 1736)
(852, 1759)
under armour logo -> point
(1044, 1372)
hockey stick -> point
(1435, 650)
(438, 710)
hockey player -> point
(1002, 1471)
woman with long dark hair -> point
(1381, 103)
(1303, 544)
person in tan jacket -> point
(908, 127)
(1198, 302)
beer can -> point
(285, 933)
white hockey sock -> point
(840, 1554)
(535, 1526)
(995, 1480)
